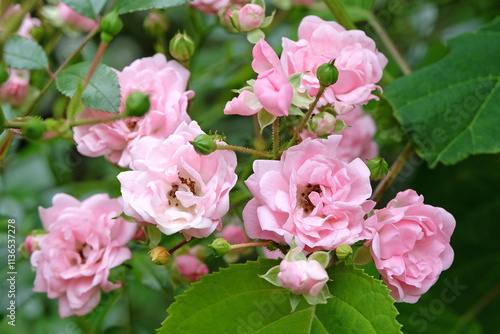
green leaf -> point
(236, 300)
(102, 92)
(153, 234)
(128, 6)
(450, 109)
(255, 35)
(24, 54)
(265, 119)
(88, 8)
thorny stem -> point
(96, 121)
(393, 172)
(44, 90)
(245, 150)
(173, 249)
(100, 52)
(303, 123)
(276, 138)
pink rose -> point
(410, 244)
(245, 104)
(191, 267)
(264, 57)
(26, 25)
(174, 187)
(83, 243)
(309, 194)
(251, 17)
(75, 20)
(166, 83)
(357, 139)
(359, 63)
(234, 234)
(302, 276)
(15, 89)
(209, 6)
(274, 92)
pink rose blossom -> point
(359, 63)
(210, 6)
(234, 234)
(274, 92)
(410, 244)
(15, 89)
(245, 104)
(83, 243)
(75, 20)
(250, 17)
(357, 139)
(26, 25)
(166, 83)
(302, 276)
(174, 187)
(191, 267)
(309, 194)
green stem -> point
(13, 125)
(393, 172)
(340, 14)
(100, 52)
(303, 123)
(44, 90)
(245, 150)
(92, 121)
(389, 44)
(252, 244)
(276, 138)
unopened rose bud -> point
(204, 144)
(156, 24)
(111, 25)
(327, 74)
(378, 168)
(251, 17)
(159, 255)
(182, 47)
(190, 267)
(137, 104)
(220, 246)
(343, 251)
(322, 124)
(31, 242)
(33, 128)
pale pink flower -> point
(174, 187)
(209, 6)
(274, 92)
(190, 267)
(15, 89)
(245, 104)
(75, 20)
(309, 194)
(410, 244)
(84, 241)
(250, 17)
(303, 276)
(26, 25)
(166, 83)
(357, 139)
(359, 63)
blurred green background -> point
(464, 300)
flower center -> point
(186, 184)
(303, 197)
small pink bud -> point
(302, 276)
(15, 89)
(234, 234)
(75, 20)
(251, 17)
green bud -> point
(343, 251)
(182, 47)
(4, 75)
(33, 128)
(327, 74)
(156, 24)
(159, 255)
(378, 168)
(220, 246)
(111, 24)
(204, 144)
(137, 104)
